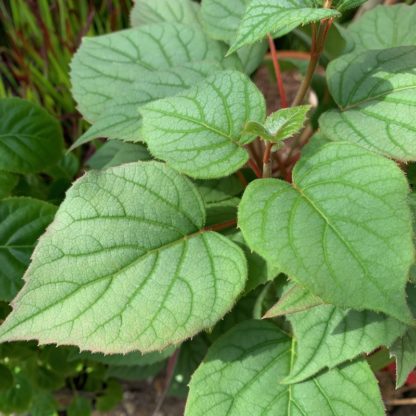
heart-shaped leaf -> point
(384, 27)
(328, 336)
(125, 245)
(343, 230)
(22, 222)
(200, 132)
(105, 67)
(242, 371)
(30, 139)
(375, 92)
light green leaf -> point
(375, 92)
(145, 12)
(7, 182)
(251, 56)
(22, 222)
(242, 371)
(126, 244)
(281, 124)
(315, 143)
(342, 230)
(221, 19)
(295, 299)
(279, 18)
(106, 67)
(200, 132)
(115, 153)
(328, 336)
(121, 119)
(30, 139)
(384, 27)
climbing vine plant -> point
(224, 212)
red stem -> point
(278, 72)
(255, 168)
(222, 226)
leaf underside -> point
(343, 230)
(108, 273)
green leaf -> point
(219, 190)
(6, 378)
(221, 19)
(145, 12)
(281, 124)
(328, 336)
(315, 143)
(115, 153)
(242, 371)
(384, 27)
(66, 168)
(7, 182)
(404, 349)
(125, 245)
(30, 139)
(43, 404)
(375, 92)
(130, 359)
(106, 67)
(344, 5)
(200, 132)
(18, 397)
(112, 396)
(136, 372)
(80, 406)
(22, 222)
(286, 122)
(279, 18)
(260, 271)
(295, 299)
(190, 356)
(121, 119)
(342, 230)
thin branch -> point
(278, 72)
(254, 167)
(222, 226)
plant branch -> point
(221, 226)
(319, 36)
(254, 167)
(278, 72)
